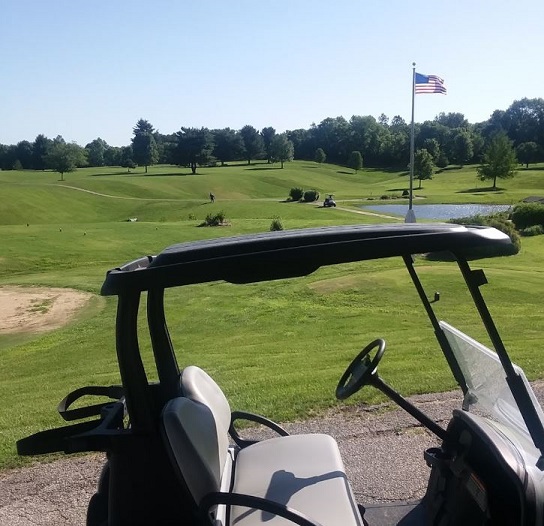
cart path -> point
(382, 448)
(370, 439)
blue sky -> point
(91, 69)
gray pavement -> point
(382, 448)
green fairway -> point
(277, 348)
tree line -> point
(382, 143)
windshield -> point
(488, 392)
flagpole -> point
(411, 216)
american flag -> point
(429, 84)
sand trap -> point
(36, 309)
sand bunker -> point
(33, 309)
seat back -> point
(196, 429)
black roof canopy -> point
(291, 253)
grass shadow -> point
(165, 174)
(496, 190)
(531, 169)
(124, 172)
(449, 169)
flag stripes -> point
(429, 84)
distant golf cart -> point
(329, 201)
(175, 457)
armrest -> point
(255, 503)
(115, 392)
(243, 415)
(93, 435)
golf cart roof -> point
(292, 253)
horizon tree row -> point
(382, 142)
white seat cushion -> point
(304, 472)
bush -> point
(385, 196)
(310, 196)
(535, 230)
(296, 194)
(276, 224)
(528, 214)
(320, 156)
(214, 219)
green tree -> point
(433, 147)
(525, 121)
(144, 146)
(228, 145)
(24, 154)
(8, 157)
(95, 151)
(195, 147)
(462, 149)
(355, 161)
(126, 158)
(253, 143)
(442, 160)
(65, 157)
(112, 156)
(303, 142)
(320, 156)
(452, 120)
(499, 160)
(268, 135)
(40, 148)
(423, 165)
(333, 135)
(364, 136)
(528, 152)
(281, 149)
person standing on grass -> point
(212, 198)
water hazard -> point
(438, 212)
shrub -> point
(296, 194)
(310, 196)
(528, 214)
(385, 196)
(535, 230)
(214, 219)
(276, 224)
(320, 156)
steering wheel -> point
(360, 370)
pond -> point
(439, 212)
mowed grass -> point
(277, 348)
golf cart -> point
(174, 455)
(329, 201)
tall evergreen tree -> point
(228, 145)
(144, 147)
(40, 148)
(195, 147)
(268, 135)
(253, 143)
